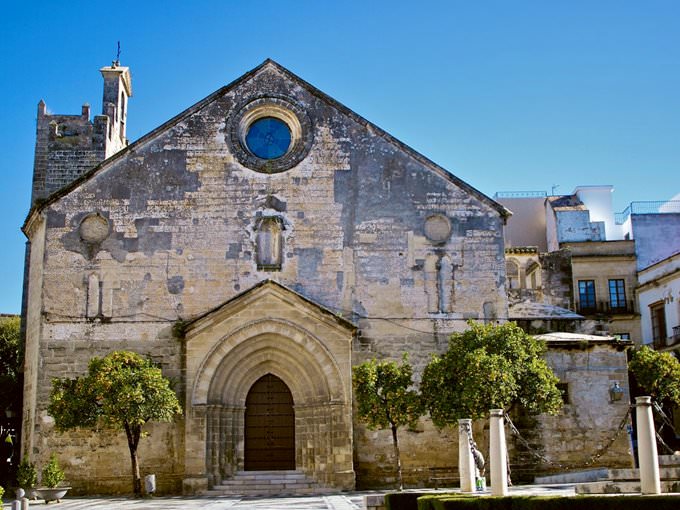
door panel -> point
(269, 426)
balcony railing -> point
(660, 343)
(606, 308)
(520, 194)
(659, 207)
(675, 339)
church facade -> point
(256, 246)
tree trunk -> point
(397, 456)
(133, 433)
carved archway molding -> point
(298, 342)
(273, 345)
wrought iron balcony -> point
(675, 339)
(660, 343)
(606, 308)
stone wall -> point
(589, 421)
(168, 230)
(66, 147)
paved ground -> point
(345, 501)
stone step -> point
(587, 475)
(669, 460)
(665, 473)
(604, 474)
(622, 487)
(266, 483)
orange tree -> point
(385, 400)
(122, 390)
(657, 374)
(489, 367)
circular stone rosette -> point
(270, 134)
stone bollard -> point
(20, 504)
(499, 459)
(466, 463)
(650, 482)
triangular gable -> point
(255, 293)
(502, 211)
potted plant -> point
(52, 476)
(27, 478)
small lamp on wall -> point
(615, 393)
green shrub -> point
(52, 474)
(2, 491)
(27, 476)
(402, 500)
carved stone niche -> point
(269, 243)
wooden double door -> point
(269, 426)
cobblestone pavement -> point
(345, 501)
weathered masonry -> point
(256, 246)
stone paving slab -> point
(345, 501)
(337, 502)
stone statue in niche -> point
(269, 241)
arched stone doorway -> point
(269, 331)
(269, 426)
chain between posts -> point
(599, 453)
(664, 418)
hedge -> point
(420, 501)
(402, 500)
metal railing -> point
(606, 308)
(656, 207)
(520, 194)
(662, 342)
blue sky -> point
(507, 95)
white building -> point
(658, 295)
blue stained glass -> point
(268, 138)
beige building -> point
(603, 265)
(257, 246)
(604, 280)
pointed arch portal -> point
(269, 426)
(269, 388)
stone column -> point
(498, 454)
(649, 460)
(466, 463)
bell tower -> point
(67, 146)
(117, 90)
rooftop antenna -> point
(554, 189)
(116, 62)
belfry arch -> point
(302, 345)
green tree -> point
(121, 390)
(384, 399)
(657, 374)
(11, 360)
(489, 367)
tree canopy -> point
(489, 367)
(11, 359)
(121, 390)
(385, 400)
(657, 373)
